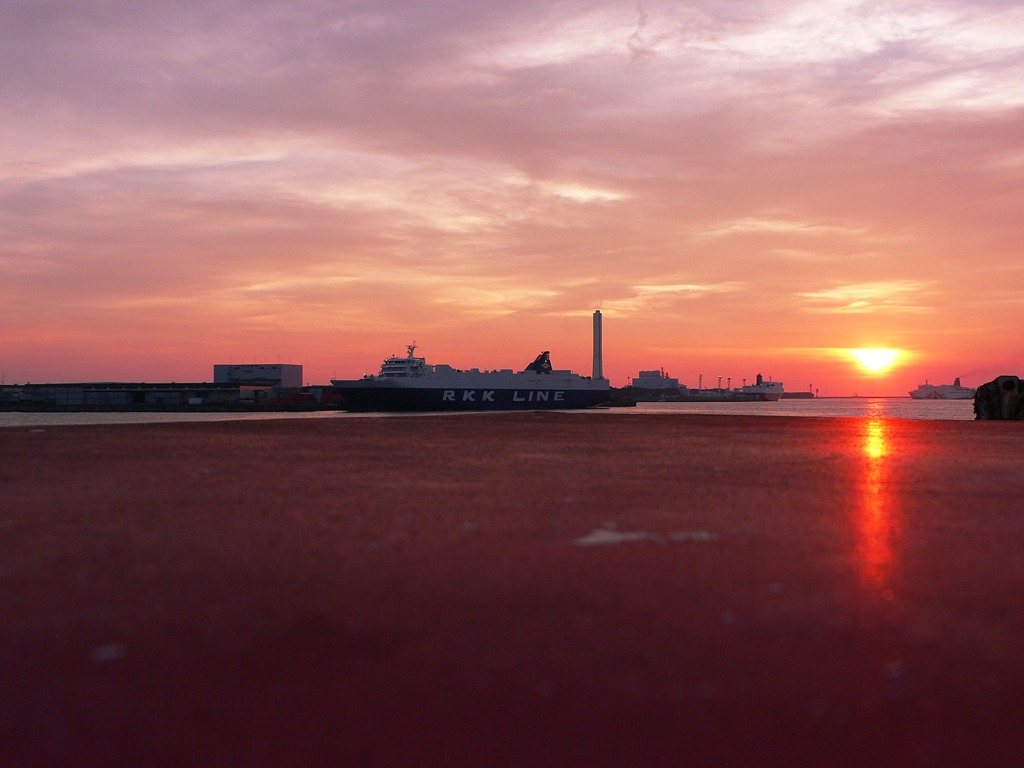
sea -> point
(827, 407)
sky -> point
(740, 187)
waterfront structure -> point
(260, 374)
(411, 384)
(112, 395)
(655, 380)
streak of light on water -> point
(869, 407)
(864, 407)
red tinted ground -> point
(505, 589)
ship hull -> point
(703, 396)
(363, 397)
(738, 397)
(952, 391)
(764, 397)
(942, 395)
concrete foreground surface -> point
(539, 589)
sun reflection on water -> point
(874, 440)
(877, 519)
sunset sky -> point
(740, 187)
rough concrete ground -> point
(513, 590)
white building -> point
(278, 376)
(655, 380)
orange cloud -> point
(734, 185)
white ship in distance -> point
(952, 391)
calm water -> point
(872, 407)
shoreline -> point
(955, 410)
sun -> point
(874, 359)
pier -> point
(513, 589)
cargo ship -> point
(411, 384)
(760, 391)
(952, 391)
(657, 386)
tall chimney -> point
(598, 343)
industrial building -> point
(235, 386)
(121, 396)
(118, 395)
(655, 380)
(277, 376)
(273, 387)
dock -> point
(530, 589)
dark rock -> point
(1002, 399)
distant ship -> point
(411, 384)
(943, 391)
(807, 394)
(657, 386)
(761, 390)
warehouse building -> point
(234, 386)
(277, 376)
(119, 396)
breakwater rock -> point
(1000, 399)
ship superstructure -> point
(411, 384)
(952, 391)
(760, 390)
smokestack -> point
(598, 344)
